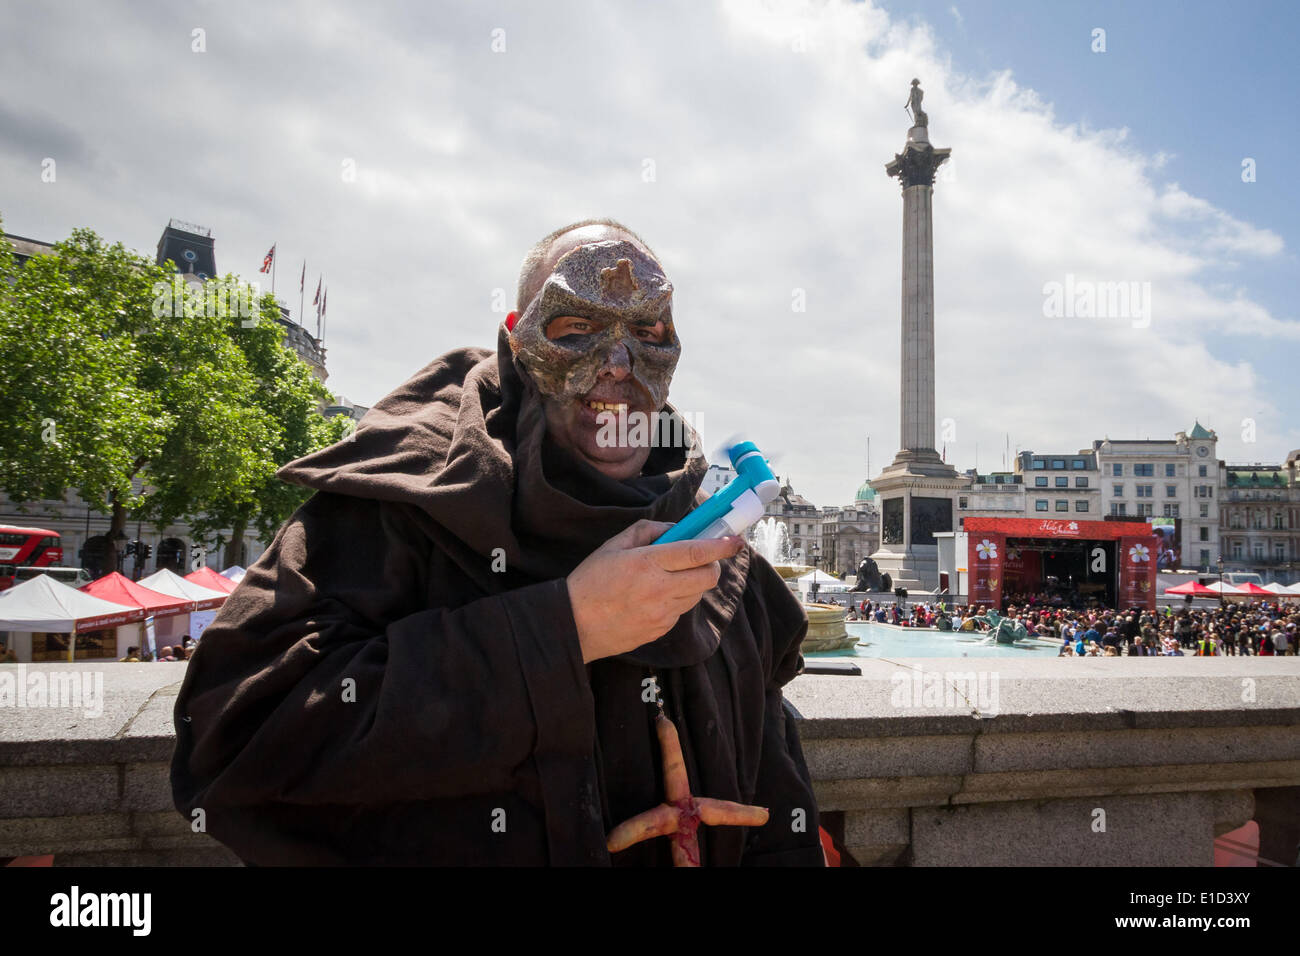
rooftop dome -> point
(866, 492)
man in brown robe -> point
(452, 653)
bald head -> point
(541, 259)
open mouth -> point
(619, 408)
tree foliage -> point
(150, 401)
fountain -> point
(826, 630)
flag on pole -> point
(324, 301)
(316, 300)
(266, 262)
(302, 280)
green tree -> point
(289, 395)
(138, 407)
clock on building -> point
(1202, 450)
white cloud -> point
(768, 126)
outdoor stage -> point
(1112, 562)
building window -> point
(1169, 471)
(1259, 550)
(1040, 481)
(1201, 472)
(1144, 511)
(1062, 481)
(1205, 534)
(1058, 463)
(1171, 511)
(1079, 464)
(1081, 482)
(1119, 491)
(1040, 504)
(1081, 505)
(796, 529)
(1062, 504)
(1171, 491)
(1039, 464)
(1205, 511)
(1279, 552)
(961, 502)
(1205, 558)
(1236, 550)
(1118, 508)
(1277, 522)
(1146, 491)
(1117, 470)
(1144, 471)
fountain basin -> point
(826, 630)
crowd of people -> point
(166, 653)
(1256, 628)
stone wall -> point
(927, 762)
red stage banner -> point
(1137, 571)
(985, 556)
(1056, 528)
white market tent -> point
(1275, 588)
(205, 611)
(1218, 587)
(169, 582)
(825, 582)
(44, 605)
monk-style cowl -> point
(398, 678)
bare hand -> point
(629, 592)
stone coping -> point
(1043, 695)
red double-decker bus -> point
(27, 547)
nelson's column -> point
(917, 489)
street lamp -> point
(1221, 602)
(816, 557)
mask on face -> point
(614, 283)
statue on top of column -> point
(913, 105)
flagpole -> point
(301, 289)
(273, 265)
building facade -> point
(1060, 485)
(850, 533)
(1176, 479)
(1259, 519)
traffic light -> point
(131, 547)
(148, 551)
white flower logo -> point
(1074, 526)
(986, 550)
(1139, 552)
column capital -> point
(916, 164)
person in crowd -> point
(132, 655)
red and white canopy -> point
(1250, 587)
(122, 590)
(208, 578)
(1194, 588)
(44, 604)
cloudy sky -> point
(746, 142)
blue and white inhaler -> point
(732, 509)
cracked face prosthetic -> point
(598, 341)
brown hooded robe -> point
(379, 690)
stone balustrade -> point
(926, 762)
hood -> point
(464, 442)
